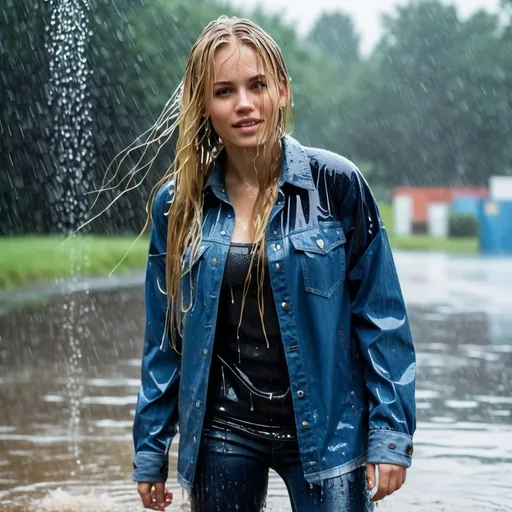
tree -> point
(334, 35)
(137, 52)
(24, 117)
(430, 107)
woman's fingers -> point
(370, 475)
(391, 478)
(144, 490)
(168, 496)
(393, 484)
(154, 496)
(159, 494)
(383, 483)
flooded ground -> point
(461, 315)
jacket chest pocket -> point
(321, 252)
(191, 272)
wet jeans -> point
(232, 475)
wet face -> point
(243, 98)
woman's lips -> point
(251, 128)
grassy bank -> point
(30, 259)
(433, 244)
(425, 242)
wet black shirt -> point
(249, 386)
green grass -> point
(425, 242)
(386, 212)
(430, 243)
(28, 259)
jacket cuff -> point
(390, 447)
(150, 467)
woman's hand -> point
(154, 496)
(391, 478)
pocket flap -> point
(320, 240)
(200, 251)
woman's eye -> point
(222, 92)
(259, 85)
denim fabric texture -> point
(233, 469)
(342, 317)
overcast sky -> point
(365, 13)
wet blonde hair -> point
(198, 146)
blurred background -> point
(417, 93)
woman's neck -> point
(244, 165)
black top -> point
(249, 387)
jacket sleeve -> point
(156, 413)
(381, 328)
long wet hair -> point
(198, 146)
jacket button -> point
(305, 424)
(352, 393)
(223, 233)
(205, 351)
(300, 393)
(214, 261)
(194, 440)
(409, 450)
(278, 267)
(275, 232)
(392, 446)
(198, 404)
(285, 306)
(277, 247)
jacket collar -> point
(295, 168)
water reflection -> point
(463, 457)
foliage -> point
(431, 105)
(24, 117)
(433, 101)
(462, 225)
(335, 36)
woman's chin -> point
(246, 142)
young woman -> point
(276, 333)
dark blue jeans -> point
(232, 475)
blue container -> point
(495, 227)
(467, 204)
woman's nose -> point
(244, 101)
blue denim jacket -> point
(343, 322)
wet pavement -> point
(461, 316)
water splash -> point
(71, 146)
(63, 501)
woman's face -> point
(243, 100)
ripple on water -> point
(64, 501)
(463, 445)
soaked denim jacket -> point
(343, 322)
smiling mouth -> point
(244, 125)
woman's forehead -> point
(234, 61)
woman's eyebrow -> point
(228, 82)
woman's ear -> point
(283, 94)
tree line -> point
(431, 105)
